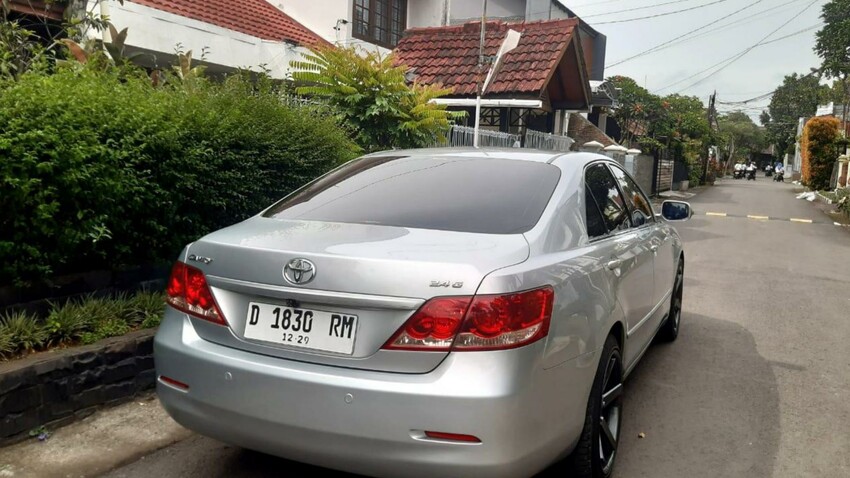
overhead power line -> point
(729, 61)
(662, 14)
(645, 7)
(763, 96)
(668, 42)
(592, 4)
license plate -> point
(304, 328)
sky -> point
(758, 72)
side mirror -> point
(676, 211)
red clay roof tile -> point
(525, 69)
(257, 18)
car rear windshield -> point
(491, 196)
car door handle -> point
(614, 266)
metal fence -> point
(465, 135)
(547, 141)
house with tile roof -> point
(380, 24)
(232, 34)
(545, 73)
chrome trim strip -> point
(326, 297)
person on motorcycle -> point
(739, 170)
(751, 170)
(780, 173)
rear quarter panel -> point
(586, 305)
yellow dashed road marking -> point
(768, 218)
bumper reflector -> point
(452, 437)
(174, 383)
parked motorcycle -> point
(751, 175)
(738, 174)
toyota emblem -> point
(299, 271)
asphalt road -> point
(758, 384)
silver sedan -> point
(437, 312)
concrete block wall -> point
(57, 387)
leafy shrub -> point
(818, 146)
(112, 327)
(25, 331)
(7, 343)
(84, 320)
(145, 307)
(151, 321)
(842, 200)
(67, 323)
(101, 170)
(370, 93)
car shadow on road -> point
(706, 405)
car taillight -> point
(496, 322)
(189, 292)
(485, 322)
(433, 327)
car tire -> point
(670, 330)
(604, 413)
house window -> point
(380, 21)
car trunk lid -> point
(366, 280)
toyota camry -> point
(434, 312)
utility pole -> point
(480, 73)
(712, 113)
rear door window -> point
(595, 223)
(637, 202)
(491, 196)
(604, 189)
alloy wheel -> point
(611, 413)
(677, 298)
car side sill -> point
(649, 315)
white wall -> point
(159, 31)
(320, 16)
(428, 13)
(462, 10)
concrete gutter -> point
(108, 439)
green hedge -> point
(819, 145)
(100, 170)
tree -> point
(833, 46)
(739, 137)
(675, 124)
(370, 93)
(637, 111)
(798, 97)
(684, 122)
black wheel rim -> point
(677, 299)
(611, 413)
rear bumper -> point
(372, 422)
